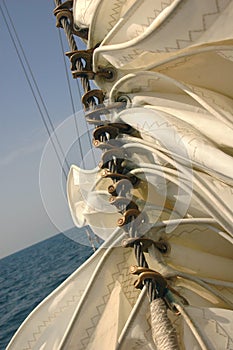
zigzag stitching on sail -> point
(185, 232)
(182, 131)
(134, 53)
(150, 19)
(202, 230)
(193, 31)
(173, 65)
(220, 331)
(50, 319)
(35, 334)
(131, 56)
(196, 90)
(127, 285)
(158, 124)
(94, 320)
(115, 14)
(118, 7)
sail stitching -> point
(117, 6)
(50, 320)
(150, 19)
(180, 43)
(121, 266)
(219, 330)
(204, 94)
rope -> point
(163, 333)
(69, 35)
(71, 98)
(84, 80)
(73, 47)
(202, 342)
(32, 89)
(88, 131)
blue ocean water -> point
(29, 275)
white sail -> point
(172, 62)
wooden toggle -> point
(148, 274)
(123, 203)
(64, 11)
(88, 97)
(123, 187)
(117, 177)
(128, 216)
(80, 56)
(100, 133)
(115, 155)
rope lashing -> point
(163, 332)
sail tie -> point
(163, 332)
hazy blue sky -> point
(23, 136)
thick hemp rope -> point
(163, 332)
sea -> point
(28, 276)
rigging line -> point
(87, 126)
(57, 3)
(73, 47)
(32, 90)
(71, 97)
(36, 88)
(72, 102)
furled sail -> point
(171, 67)
(165, 63)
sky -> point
(27, 166)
